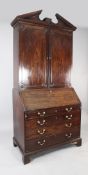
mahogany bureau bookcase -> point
(46, 109)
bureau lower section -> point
(43, 129)
(47, 141)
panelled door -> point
(45, 57)
(60, 58)
(33, 58)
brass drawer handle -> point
(68, 117)
(41, 143)
(68, 109)
(68, 135)
(42, 113)
(41, 132)
(39, 122)
(68, 125)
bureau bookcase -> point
(46, 109)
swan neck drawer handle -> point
(68, 135)
(41, 115)
(68, 117)
(68, 109)
(41, 143)
(41, 132)
(68, 125)
(41, 123)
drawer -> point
(44, 142)
(69, 109)
(51, 125)
(41, 113)
(74, 115)
(51, 111)
(49, 120)
(39, 127)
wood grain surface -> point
(45, 98)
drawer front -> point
(44, 142)
(71, 116)
(42, 113)
(38, 127)
(69, 109)
(52, 111)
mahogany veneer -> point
(46, 109)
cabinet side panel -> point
(18, 119)
(15, 57)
